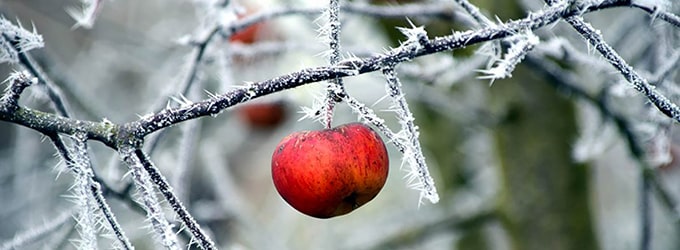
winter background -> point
(534, 141)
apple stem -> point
(328, 115)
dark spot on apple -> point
(281, 149)
(352, 199)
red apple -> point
(330, 172)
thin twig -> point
(53, 91)
(561, 81)
(645, 213)
(335, 88)
(475, 13)
(94, 187)
(181, 211)
(19, 81)
(159, 223)
(658, 13)
(414, 154)
(640, 84)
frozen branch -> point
(519, 47)
(413, 153)
(48, 123)
(15, 43)
(475, 13)
(162, 228)
(82, 159)
(657, 12)
(640, 84)
(566, 82)
(406, 142)
(15, 39)
(335, 89)
(164, 187)
(53, 92)
(112, 135)
(17, 83)
(79, 164)
(87, 216)
(368, 115)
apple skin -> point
(330, 172)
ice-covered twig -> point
(657, 10)
(640, 84)
(87, 217)
(166, 190)
(566, 82)
(563, 49)
(81, 158)
(335, 88)
(14, 44)
(519, 47)
(475, 13)
(418, 175)
(14, 39)
(162, 228)
(17, 82)
(54, 93)
(201, 50)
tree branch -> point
(181, 211)
(640, 84)
(112, 135)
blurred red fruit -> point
(248, 35)
(263, 115)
